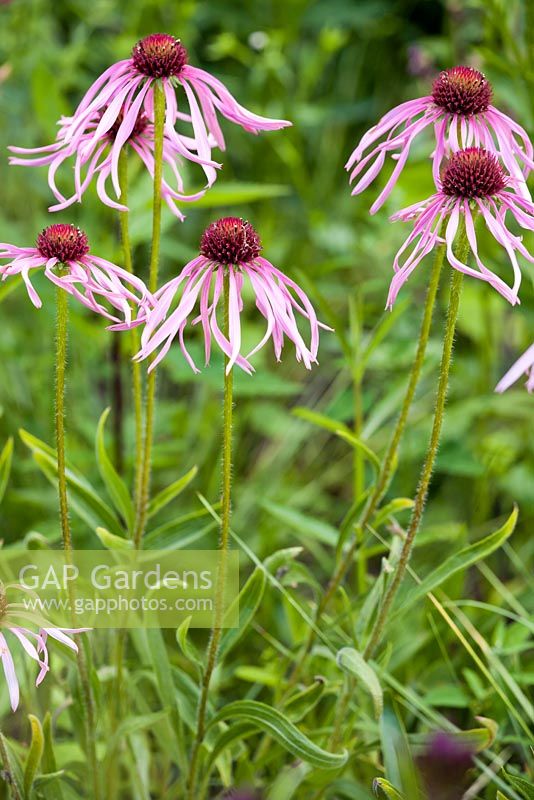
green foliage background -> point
(333, 67)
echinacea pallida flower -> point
(523, 366)
(230, 247)
(62, 253)
(461, 113)
(34, 643)
(473, 182)
(444, 767)
(126, 89)
(97, 158)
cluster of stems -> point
(389, 462)
(144, 408)
(144, 417)
(224, 540)
(62, 310)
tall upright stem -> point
(117, 400)
(390, 458)
(144, 478)
(226, 487)
(62, 310)
(62, 315)
(430, 458)
(137, 386)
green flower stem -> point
(137, 390)
(62, 316)
(144, 478)
(62, 312)
(430, 458)
(390, 458)
(215, 638)
(124, 221)
(356, 327)
(117, 394)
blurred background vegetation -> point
(333, 67)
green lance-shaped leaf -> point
(116, 487)
(352, 662)
(521, 785)
(358, 444)
(233, 193)
(227, 737)
(280, 559)
(186, 646)
(166, 495)
(6, 457)
(302, 523)
(339, 429)
(83, 497)
(163, 673)
(389, 510)
(273, 722)
(301, 703)
(113, 542)
(134, 724)
(501, 796)
(49, 783)
(459, 561)
(320, 420)
(34, 754)
(12, 766)
(383, 787)
(248, 601)
(49, 759)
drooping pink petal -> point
(10, 673)
(524, 365)
(228, 105)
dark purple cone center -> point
(140, 124)
(230, 240)
(64, 242)
(159, 56)
(473, 173)
(462, 90)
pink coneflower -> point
(126, 89)
(523, 366)
(98, 157)
(63, 251)
(460, 110)
(33, 643)
(472, 181)
(444, 766)
(230, 247)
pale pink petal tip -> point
(523, 366)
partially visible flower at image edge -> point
(96, 156)
(230, 246)
(472, 182)
(523, 366)
(444, 765)
(461, 113)
(62, 252)
(38, 651)
(124, 91)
